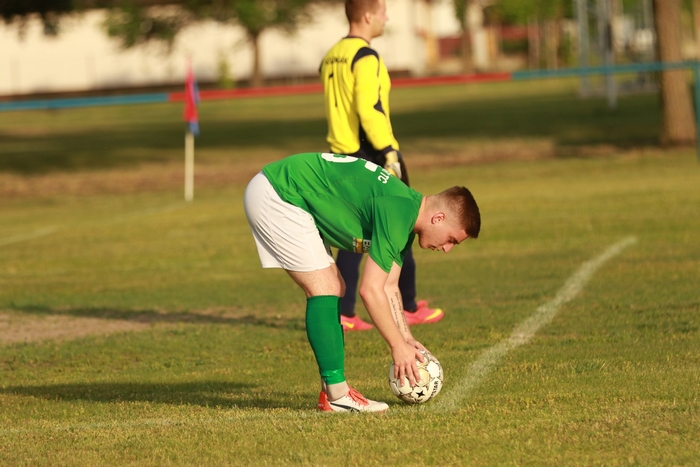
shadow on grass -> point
(153, 317)
(106, 148)
(566, 120)
(204, 393)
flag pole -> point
(189, 166)
(190, 115)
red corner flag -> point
(191, 100)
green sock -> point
(326, 337)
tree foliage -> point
(520, 12)
(134, 23)
(50, 12)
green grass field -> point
(140, 330)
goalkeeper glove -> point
(391, 163)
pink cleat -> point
(424, 315)
(354, 324)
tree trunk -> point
(477, 35)
(533, 43)
(256, 80)
(551, 43)
(678, 120)
(431, 43)
(696, 23)
(467, 63)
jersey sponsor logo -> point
(333, 60)
(361, 245)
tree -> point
(543, 18)
(460, 7)
(257, 16)
(50, 12)
(470, 14)
(133, 23)
(678, 120)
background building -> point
(83, 58)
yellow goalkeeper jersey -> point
(356, 87)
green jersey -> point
(356, 205)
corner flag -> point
(192, 118)
(190, 114)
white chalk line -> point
(479, 370)
(113, 221)
(526, 330)
(28, 235)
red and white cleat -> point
(353, 401)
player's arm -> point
(373, 116)
(368, 105)
(393, 294)
(373, 290)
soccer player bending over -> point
(302, 205)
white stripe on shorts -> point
(286, 236)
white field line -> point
(477, 373)
(525, 331)
(115, 220)
(28, 236)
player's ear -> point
(437, 217)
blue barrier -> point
(45, 104)
(602, 70)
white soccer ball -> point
(431, 378)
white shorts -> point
(286, 236)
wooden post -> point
(696, 75)
(189, 166)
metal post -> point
(605, 44)
(583, 43)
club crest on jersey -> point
(361, 245)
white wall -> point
(82, 57)
(445, 21)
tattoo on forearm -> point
(397, 310)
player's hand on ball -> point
(427, 387)
(405, 366)
(391, 164)
(417, 345)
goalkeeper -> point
(356, 88)
(302, 205)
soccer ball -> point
(429, 386)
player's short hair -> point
(462, 204)
(354, 9)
